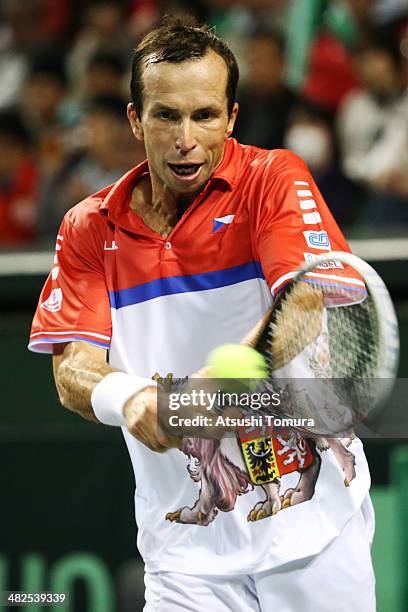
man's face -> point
(184, 123)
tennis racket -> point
(331, 344)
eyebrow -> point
(161, 106)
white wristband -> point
(111, 394)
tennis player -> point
(184, 253)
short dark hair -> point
(175, 40)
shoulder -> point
(90, 210)
(96, 212)
(89, 217)
(269, 164)
(283, 160)
(84, 228)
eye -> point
(204, 115)
(166, 115)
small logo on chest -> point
(222, 222)
(112, 246)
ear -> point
(135, 122)
(232, 119)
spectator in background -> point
(57, 20)
(233, 20)
(18, 182)
(265, 100)
(364, 112)
(311, 135)
(373, 128)
(105, 150)
(385, 172)
(104, 75)
(45, 90)
(143, 15)
(20, 33)
(331, 75)
(105, 28)
(46, 106)
(343, 26)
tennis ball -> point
(237, 361)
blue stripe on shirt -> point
(185, 284)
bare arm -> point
(79, 367)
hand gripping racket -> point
(331, 344)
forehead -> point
(204, 78)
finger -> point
(136, 417)
(169, 441)
(158, 448)
(174, 442)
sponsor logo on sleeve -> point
(317, 240)
(326, 265)
(54, 302)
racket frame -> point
(387, 318)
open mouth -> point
(185, 169)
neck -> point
(160, 208)
(168, 202)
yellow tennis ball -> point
(236, 361)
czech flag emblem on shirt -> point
(222, 223)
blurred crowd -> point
(64, 74)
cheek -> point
(216, 143)
(158, 139)
(156, 154)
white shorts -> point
(339, 579)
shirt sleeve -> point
(74, 302)
(292, 223)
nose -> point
(186, 140)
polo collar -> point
(227, 170)
(116, 202)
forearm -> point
(76, 377)
(89, 386)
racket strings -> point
(353, 340)
(297, 322)
(342, 344)
(352, 331)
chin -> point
(186, 189)
(190, 188)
